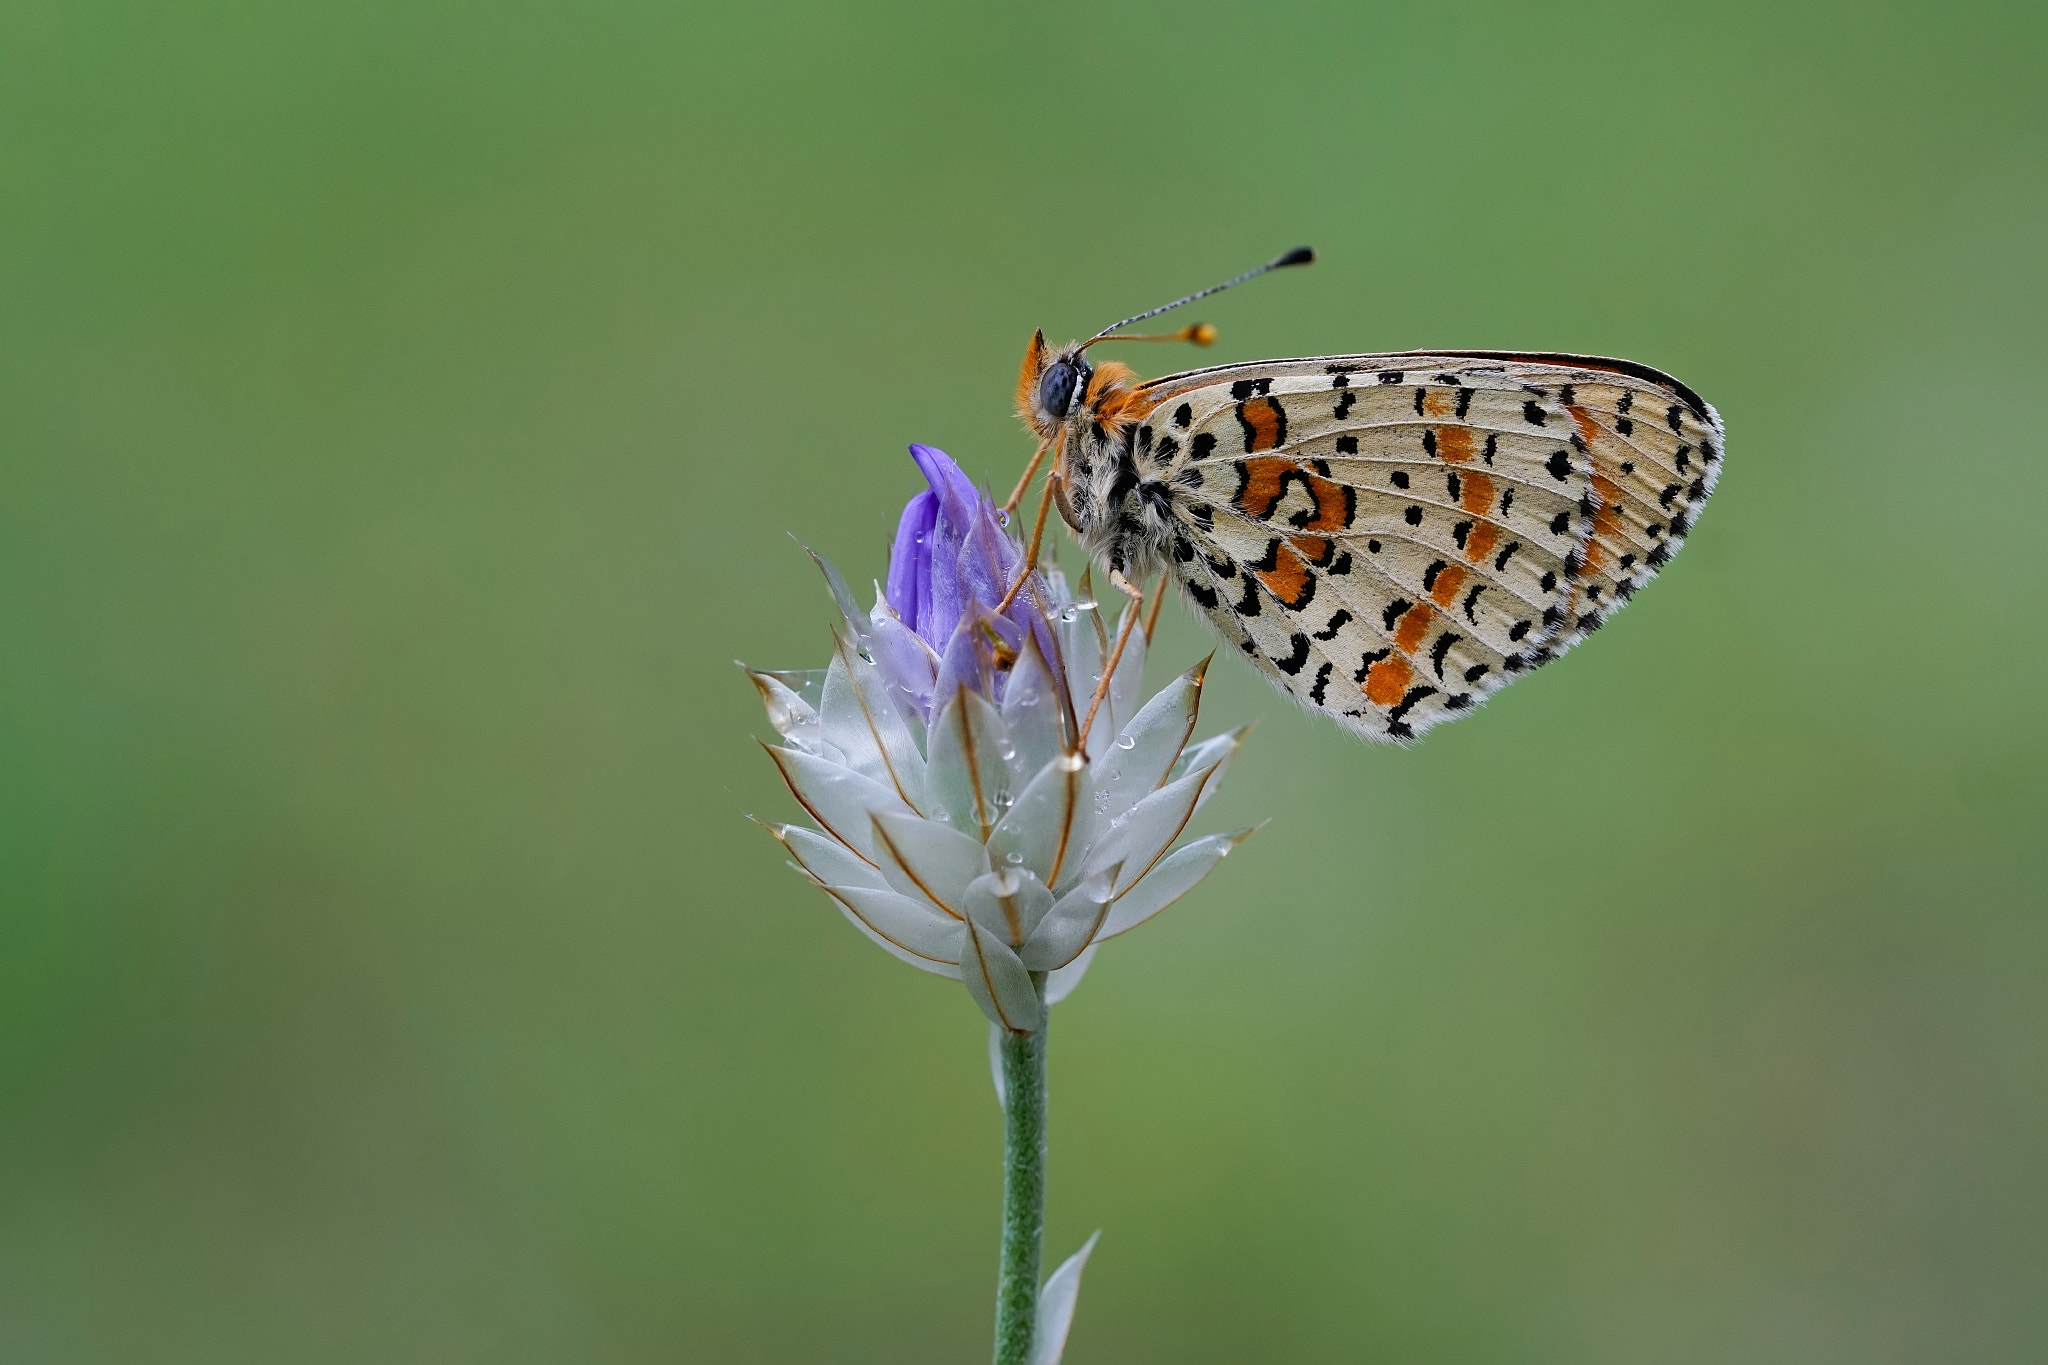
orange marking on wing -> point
(1288, 578)
(1262, 419)
(1480, 543)
(1454, 444)
(1478, 495)
(1333, 504)
(1264, 481)
(1438, 402)
(1589, 430)
(1448, 581)
(1315, 549)
(1596, 559)
(1606, 517)
(1386, 682)
(1414, 624)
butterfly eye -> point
(1056, 388)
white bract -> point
(981, 844)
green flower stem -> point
(1023, 1195)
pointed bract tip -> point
(1301, 255)
(776, 829)
(1201, 670)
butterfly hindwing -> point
(1391, 538)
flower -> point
(959, 825)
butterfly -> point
(1388, 538)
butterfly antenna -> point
(1301, 255)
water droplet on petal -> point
(1126, 741)
(1013, 858)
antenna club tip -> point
(1202, 333)
(1301, 255)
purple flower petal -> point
(910, 561)
(952, 562)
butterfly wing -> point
(1391, 538)
(1656, 449)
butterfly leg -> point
(1030, 554)
(1017, 493)
(1123, 637)
(1152, 616)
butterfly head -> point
(1052, 385)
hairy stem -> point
(1023, 1195)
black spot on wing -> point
(1438, 650)
(1407, 704)
(1296, 659)
(1471, 599)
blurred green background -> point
(402, 409)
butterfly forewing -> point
(1390, 538)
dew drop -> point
(1102, 803)
(943, 818)
(1126, 741)
(1013, 858)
